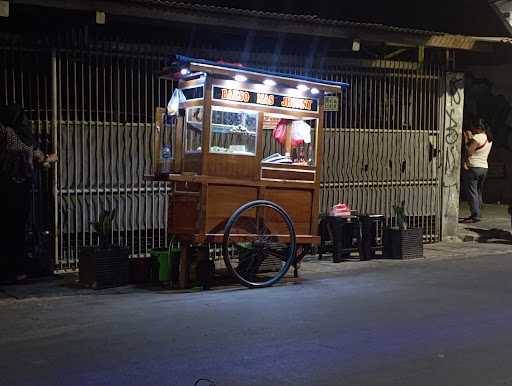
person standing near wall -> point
(477, 146)
(18, 156)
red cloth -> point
(340, 210)
(280, 130)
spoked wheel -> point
(259, 244)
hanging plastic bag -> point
(301, 133)
(174, 103)
(280, 130)
(297, 140)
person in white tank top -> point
(479, 150)
(478, 144)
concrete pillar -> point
(452, 140)
(4, 8)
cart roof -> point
(231, 69)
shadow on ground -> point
(494, 235)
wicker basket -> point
(403, 243)
(104, 267)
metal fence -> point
(381, 147)
(106, 108)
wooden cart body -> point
(209, 186)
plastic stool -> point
(370, 224)
(337, 236)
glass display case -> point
(289, 140)
(193, 132)
(165, 141)
(233, 131)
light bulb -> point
(240, 78)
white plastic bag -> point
(174, 103)
(301, 133)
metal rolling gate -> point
(106, 106)
(381, 146)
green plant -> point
(103, 227)
(400, 215)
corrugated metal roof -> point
(370, 31)
(178, 11)
(282, 16)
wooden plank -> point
(297, 203)
(193, 178)
(192, 162)
(305, 168)
(287, 175)
(192, 82)
(183, 214)
(223, 201)
(259, 139)
(236, 167)
(193, 103)
(159, 111)
(207, 118)
(218, 238)
(315, 207)
(178, 148)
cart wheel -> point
(259, 243)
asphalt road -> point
(445, 322)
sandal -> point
(470, 220)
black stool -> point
(370, 225)
(337, 235)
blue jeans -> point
(474, 179)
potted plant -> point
(401, 242)
(104, 265)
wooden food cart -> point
(243, 149)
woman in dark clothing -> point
(17, 160)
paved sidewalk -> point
(492, 236)
(311, 269)
(438, 251)
(494, 227)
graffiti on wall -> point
(454, 109)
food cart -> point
(242, 148)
